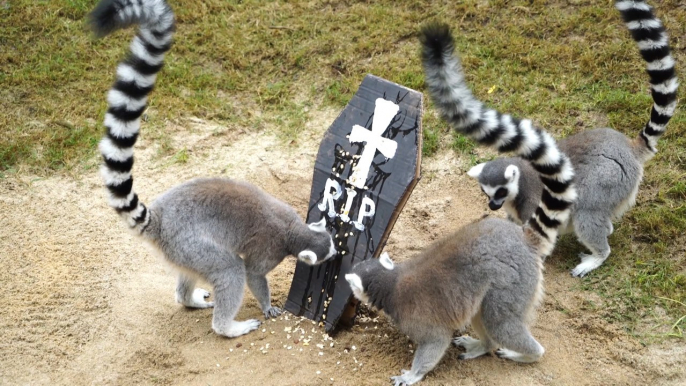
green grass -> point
(266, 65)
(466, 147)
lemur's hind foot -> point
(189, 296)
(197, 300)
(475, 347)
(518, 357)
(406, 377)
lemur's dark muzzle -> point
(494, 205)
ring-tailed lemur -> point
(608, 164)
(488, 273)
(227, 232)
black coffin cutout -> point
(366, 200)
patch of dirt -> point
(85, 302)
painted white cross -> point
(384, 111)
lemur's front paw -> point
(588, 264)
(272, 312)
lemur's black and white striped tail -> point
(653, 43)
(507, 134)
(128, 97)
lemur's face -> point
(496, 195)
(363, 272)
(499, 185)
(320, 247)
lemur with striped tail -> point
(489, 273)
(224, 231)
(608, 164)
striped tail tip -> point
(653, 43)
(437, 41)
(111, 15)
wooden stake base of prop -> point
(367, 165)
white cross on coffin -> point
(384, 111)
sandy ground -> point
(84, 302)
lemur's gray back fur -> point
(489, 272)
(607, 170)
(608, 165)
(237, 217)
(485, 273)
(450, 279)
(228, 232)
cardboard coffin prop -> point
(367, 165)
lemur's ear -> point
(386, 261)
(308, 257)
(354, 281)
(319, 226)
(511, 172)
(475, 171)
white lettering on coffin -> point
(329, 197)
(384, 112)
(351, 193)
(367, 209)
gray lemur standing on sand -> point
(224, 231)
(489, 272)
(608, 164)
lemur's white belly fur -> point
(629, 202)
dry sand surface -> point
(84, 302)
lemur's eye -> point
(501, 193)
